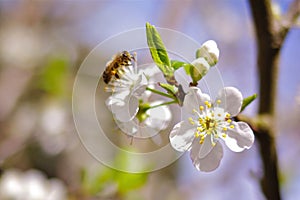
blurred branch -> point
(270, 37)
(288, 20)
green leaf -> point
(247, 101)
(171, 89)
(158, 50)
(176, 64)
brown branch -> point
(270, 36)
(288, 20)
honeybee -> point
(113, 67)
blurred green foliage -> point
(53, 77)
(124, 182)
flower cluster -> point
(208, 123)
(131, 89)
(29, 185)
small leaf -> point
(247, 101)
(176, 64)
(158, 50)
(171, 89)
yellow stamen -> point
(194, 110)
(231, 126)
(225, 129)
(218, 101)
(197, 134)
(200, 129)
(201, 108)
(201, 141)
(229, 120)
(224, 135)
(227, 115)
(191, 121)
(213, 144)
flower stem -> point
(163, 104)
(160, 93)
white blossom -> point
(30, 185)
(158, 119)
(127, 90)
(208, 123)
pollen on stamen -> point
(201, 141)
(218, 101)
(224, 128)
(231, 126)
(109, 89)
(229, 121)
(224, 135)
(191, 121)
(227, 115)
(201, 108)
(197, 134)
(200, 129)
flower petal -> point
(240, 137)
(159, 117)
(117, 99)
(130, 127)
(210, 162)
(182, 135)
(231, 100)
(124, 110)
(206, 147)
(149, 71)
(193, 99)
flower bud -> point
(199, 69)
(209, 51)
